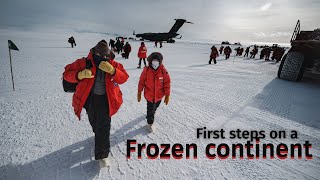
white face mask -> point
(155, 64)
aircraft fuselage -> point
(157, 36)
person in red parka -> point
(142, 54)
(98, 92)
(155, 82)
(214, 54)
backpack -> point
(71, 87)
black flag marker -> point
(12, 46)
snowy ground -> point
(42, 139)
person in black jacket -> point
(118, 46)
(72, 41)
(127, 50)
(247, 52)
(221, 49)
(227, 52)
(111, 43)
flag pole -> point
(11, 69)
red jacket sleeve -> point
(139, 51)
(121, 75)
(166, 82)
(71, 70)
(142, 80)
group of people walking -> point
(125, 49)
(98, 77)
(142, 52)
(265, 52)
(215, 53)
(156, 44)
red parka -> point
(84, 86)
(227, 50)
(214, 52)
(142, 53)
(155, 83)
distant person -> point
(247, 52)
(160, 44)
(263, 53)
(142, 54)
(72, 41)
(241, 51)
(254, 52)
(111, 43)
(221, 49)
(118, 46)
(155, 82)
(227, 52)
(237, 51)
(267, 54)
(156, 44)
(98, 92)
(277, 53)
(127, 50)
(214, 54)
(122, 46)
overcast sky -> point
(238, 20)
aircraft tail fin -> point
(178, 24)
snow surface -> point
(41, 137)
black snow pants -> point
(214, 60)
(151, 110)
(98, 113)
(144, 61)
(126, 54)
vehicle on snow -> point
(303, 56)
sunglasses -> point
(103, 56)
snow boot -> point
(104, 163)
(151, 128)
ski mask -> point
(155, 64)
(97, 59)
(102, 49)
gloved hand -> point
(139, 96)
(166, 99)
(85, 74)
(107, 67)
